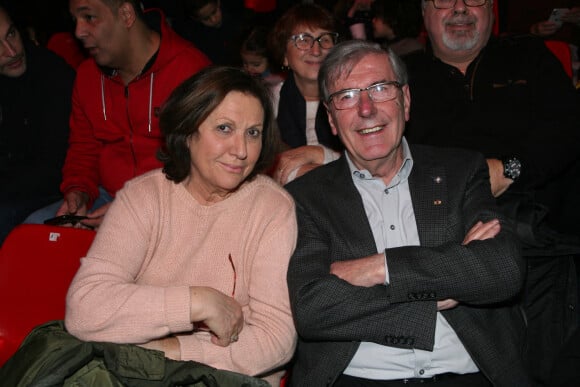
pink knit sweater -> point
(157, 240)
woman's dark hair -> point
(193, 101)
(403, 16)
(308, 15)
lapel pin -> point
(437, 202)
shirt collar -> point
(359, 175)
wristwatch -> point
(512, 167)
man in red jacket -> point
(137, 60)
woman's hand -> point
(169, 346)
(220, 313)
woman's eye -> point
(254, 133)
(224, 128)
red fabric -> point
(66, 46)
(110, 152)
(37, 264)
(495, 29)
(260, 5)
(562, 51)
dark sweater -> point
(515, 99)
(35, 110)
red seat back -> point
(37, 264)
(562, 51)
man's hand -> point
(572, 16)
(481, 231)
(367, 271)
(499, 183)
(544, 28)
(294, 159)
(446, 304)
(75, 203)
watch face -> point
(512, 168)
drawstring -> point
(150, 98)
(103, 97)
(151, 79)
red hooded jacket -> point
(114, 129)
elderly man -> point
(137, 61)
(35, 103)
(510, 99)
(404, 271)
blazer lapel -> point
(429, 193)
(346, 211)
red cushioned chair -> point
(37, 264)
(562, 51)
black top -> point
(292, 118)
(221, 44)
(35, 110)
(514, 100)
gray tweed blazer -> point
(450, 192)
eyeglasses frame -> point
(397, 84)
(317, 39)
(455, 2)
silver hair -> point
(344, 56)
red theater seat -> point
(37, 264)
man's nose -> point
(459, 6)
(8, 49)
(80, 30)
(366, 106)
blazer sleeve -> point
(328, 308)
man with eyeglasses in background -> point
(405, 271)
(510, 99)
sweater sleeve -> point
(268, 334)
(80, 171)
(106, 301)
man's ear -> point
(330, 120)
(127, 14)
(406, 101)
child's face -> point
(210, 15)
(254, 64)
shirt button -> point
(392, 227)
(421, 372)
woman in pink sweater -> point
(192, 259)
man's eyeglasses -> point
(447, 4)
(379, 92)
(306, 41)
